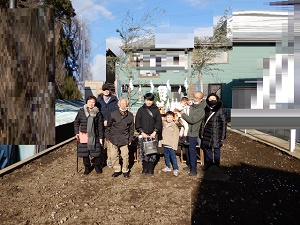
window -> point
(158, 61)
(148, 74)
(215, 88)
(176, 60)
(222, 57)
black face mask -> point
(212, 102)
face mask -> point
(196, 103)
(212, 102)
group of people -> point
(106, 122)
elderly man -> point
(119, 132)
(194, 119)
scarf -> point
(123, 112)
(90, 114)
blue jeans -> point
(170, 155)
(191, 154)
(209, 157)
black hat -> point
(105, 87)
(212, 94)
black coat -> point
(215, 129)
(120, 128)
(80, 124)
(146, 123)
(107, 108)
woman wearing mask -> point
(148, 123)
(88, 127)
(213, 130)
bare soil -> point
(256, 184)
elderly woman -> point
(148, 124)
(88, 126)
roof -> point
(258, 26)
(289, 2)
(66, 111)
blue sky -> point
(105, 17)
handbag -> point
(150, 146)
(83, 137)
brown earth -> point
(263, 188)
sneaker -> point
(175, 173)
(192, 174)
(109, 164)
(145, 172)
(166, 169)
(150, 173)
(186, 168)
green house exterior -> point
(254, 35)
(158, 66)
(244, 62)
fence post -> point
(292, 139)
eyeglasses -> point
(197, 97)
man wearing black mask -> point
(213, 130)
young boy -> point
(170, 135)
(184, 105)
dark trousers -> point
(211, 156)
(87, 162)
(191, 154)
(148, 167)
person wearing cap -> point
(213, 130)
(107, 103)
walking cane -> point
(77, 156)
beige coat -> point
(170, 135)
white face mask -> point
(196, 103)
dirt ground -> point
(257, 184)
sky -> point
(104, 17)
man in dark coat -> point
(107, 103)
(213, 130)
(119, 132)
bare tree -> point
(135, 32)
(82, 35)
(207, 49)
(88, 50)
